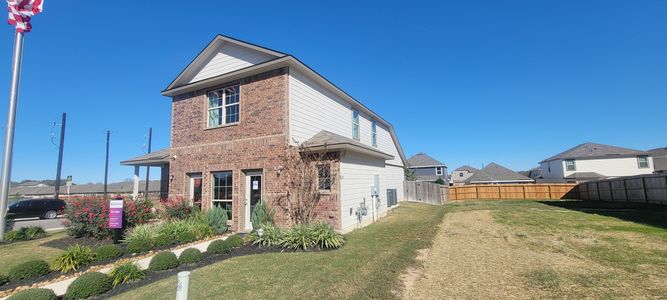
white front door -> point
(253, 195)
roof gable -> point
(221, 56)
(496, 173)
(593, 150)
(423, 160)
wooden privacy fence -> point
(642, 188)
(513, 191)
(425, 192)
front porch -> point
(158, 159)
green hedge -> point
(89, 285)
(34, 294)
(190, 256)
(163, 241)
(139, 245)
(107, 252)
(29, 269)
(163, 261)
(225, 246)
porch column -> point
(135, 189)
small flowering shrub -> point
(176, 208)
(90, 216)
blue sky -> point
(468, 82)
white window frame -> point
(374, 133)
(439, 171)
(230, 200)
(356, 135)
(574, 165)
(639, 162)
(224, 107)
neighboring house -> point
(461, 174)
(659, 159)
(534, 173)
(235, 109)
(427, 168)
(592, 161)
(496, 174)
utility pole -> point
(106, 167)
(61, 146)
(9, 133)
(148, 168)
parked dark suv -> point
(42, 208)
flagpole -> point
(9, 133)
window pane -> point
(214, 117)
(324, 177)
(222, 186)
(214, 98)
(232, 94)
(232, 114)
(374, 133)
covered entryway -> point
(158, 159)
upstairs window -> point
(460, 174)
(223, 106)
(438, 171)
(642, 161)
(324, 177)
(355, 124)
(374, 133)
(569, 165)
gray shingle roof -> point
(329, 140)
(423, 160)
(658, 151)
(584, 175)
(495, 173)
(466, 168)
(593, 150)
(160, 157)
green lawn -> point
(550, 249)
(368, 266)
(15, 253)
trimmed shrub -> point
(217, 218)
(3, 279)
(107, 252)
(190, 256)
(34, 294)
(261, 215)
(235, 241)
(163, 240)
(29, 269)
(326, 237)
(300, 236)
(139, 245)
(74, 257)
(271, 235)
(218, 247)
(163, 261)
(126, 272)
(89, 285)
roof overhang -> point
(154, 159)
(349, 147)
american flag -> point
(20, 12)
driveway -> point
(47, 224)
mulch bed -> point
(67, 241)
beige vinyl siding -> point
(357, 176)
(229, 58)
(313, 108)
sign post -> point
(116, 219)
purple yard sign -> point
(116, 214)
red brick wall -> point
(255, 143)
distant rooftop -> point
(496, 173)
(423, 160)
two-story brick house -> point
(237, 106)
